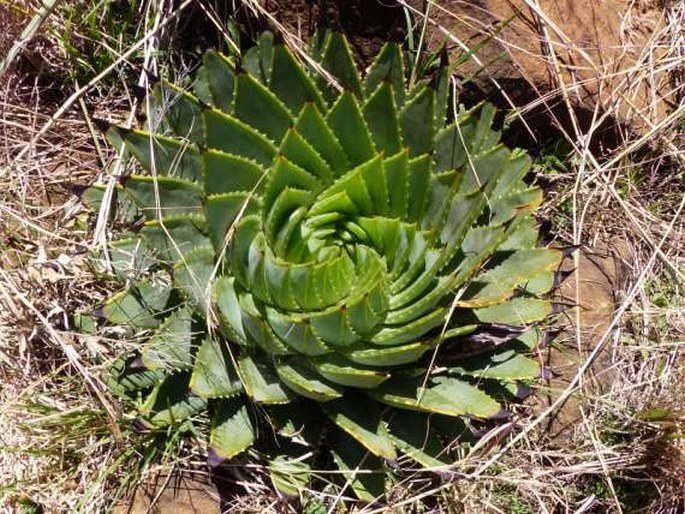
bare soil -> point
(565, 66)
(586, 303)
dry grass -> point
(60, 445)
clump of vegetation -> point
(68, 445)
(341, 252)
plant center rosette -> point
(347, 253)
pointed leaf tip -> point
(546, 374)
(214, 460)
(140, 426)
(393, 464)
(502, 415)
(523, 391)
(569, 250)
(101, 124)
(140, 92)
(137, 363)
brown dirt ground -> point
(587, 303)
(173, 494)
(593, 51)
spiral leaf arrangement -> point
(341, 251)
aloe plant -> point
(325, 254)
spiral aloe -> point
(340, 250)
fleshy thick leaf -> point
(442, 395)
(500, 282)
(414, 435)
(158, 197)
(362, 471)
(232, 136)
(232, 430)
(381, 117)
(138, 306)
(313, 127)
(174, 237)
(194, 277)
(338, 60)
(123, 379)
(417, 123)
(388, 66)
(160, 155)
(290, 82)
(518, 311)
(129, 257)
(230, 173)
(505, 364)
(302, 379)
(363, 420)
(181, 111)
(260, 108)
(346, 373)
(170, 346)
(261, 382)
(347, 123)
(170, 403)
(214, 374)
(289, 476)
(391, 356)
(217, 80)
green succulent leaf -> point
(388, 67)
(381, 117)
(517, 311)
(174, 237)
(499, 283)
(260, 108)
(391, 356)
(313, 127)
(346, 373)
(258, 59)
(214, 373)
(194, 275)
(124, 379)
(291, 83)
(362, 471)
(302, 379)
(140, 305)
(181, 111)
(158, 197)
(170, 402)
(503, 364)
(223, 212)
(417, 122)
(446, 395)
(363, 420)
(232, 429)
(230, 173)
(129, 257)
(261, 381)
(338, 61)
(216, 80)
(170, 347)
(347, 123)
(233, 136)
(160, 155)
(289, 476)
(414, 435)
